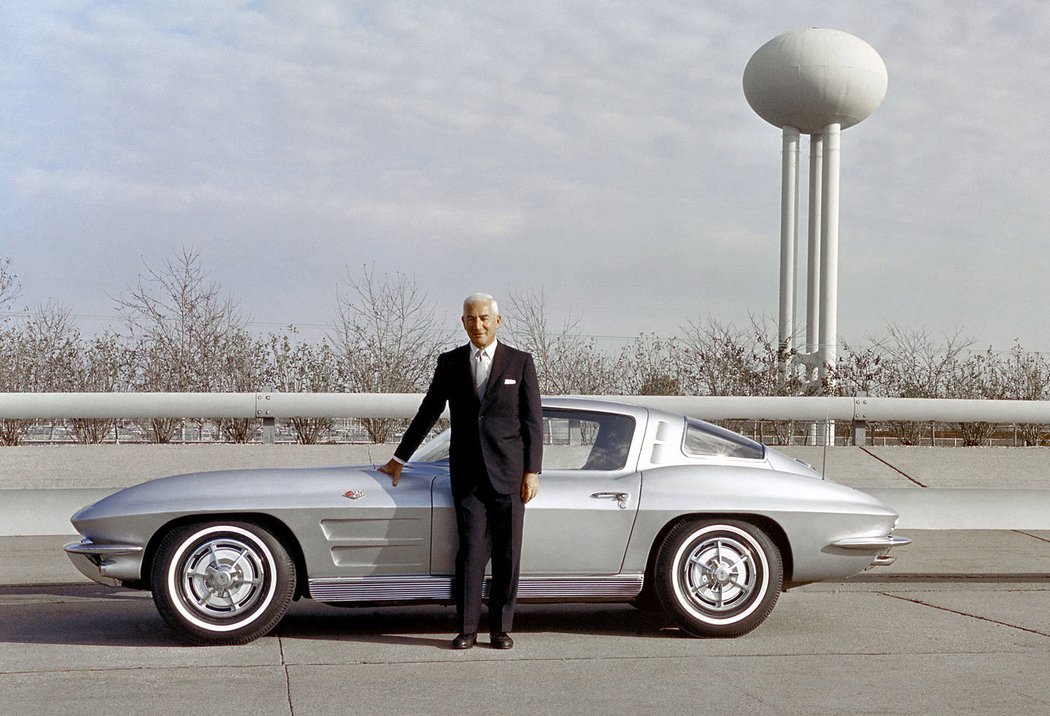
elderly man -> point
(494, 462)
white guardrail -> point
(269, 406)
(264, 405)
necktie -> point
(481, 372)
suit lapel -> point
(499, 364)
(465, 372)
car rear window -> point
(707, 440)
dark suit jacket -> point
(500, 436)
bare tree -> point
(52, 340)
(243, 369)
(650, 365)
(860, 370)
(916, 365)
(299, 367)
(978, 376)
(42, 354)
(16, 371)
(721, 359)
(9, 287)
(1026, 376)
(188, 335)
(386, 338)
(103, 364)
(17, 358)
(567, 362)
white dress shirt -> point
(482, 366)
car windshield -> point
(707, 440)
(435, 450)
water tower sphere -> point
(809, 79)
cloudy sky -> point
(600, 152)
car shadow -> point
(94, 615)
(80, 615)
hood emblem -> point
(354, 494)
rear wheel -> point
(222, 582)
(718, 578)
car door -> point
(581, 520)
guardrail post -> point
(860, 433)
(860, 419)
(262, 410)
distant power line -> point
(594, 336)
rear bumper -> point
(108, 564)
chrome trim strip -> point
(381, 589)
(622, 587)
(871, 542)
(87, 547)
(392, 589)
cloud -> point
(602, 152)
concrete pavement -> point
(870, 647)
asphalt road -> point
(898, 645)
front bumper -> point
(108, 564)
(880, 545)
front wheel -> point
(222, 582)
(718, 578)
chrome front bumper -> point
(108, 564)
(881, 545)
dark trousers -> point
(489, 525)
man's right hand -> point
(392, 468)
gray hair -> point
(478, 297)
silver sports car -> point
(636, 505)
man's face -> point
(480, 323)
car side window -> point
(706, 440)
(584, 440)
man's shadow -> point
(434, 626)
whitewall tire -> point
(222, 582)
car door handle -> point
(622, 498)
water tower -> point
(816, 82)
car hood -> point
(236, 490)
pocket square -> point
(509, 381)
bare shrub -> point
(386, 338)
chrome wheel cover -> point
(222, 578)
(720, 574)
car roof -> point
(639, 412)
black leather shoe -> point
(464, 641)
(502, 640)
